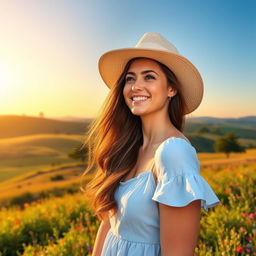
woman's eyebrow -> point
(143, 72)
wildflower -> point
(91, 229)
(31, 232)
(62, 242)
(89, 249)
(248, 238)
(17, 223)
(242, 229)
(251, 215)
(239, 249)
(78, 228)
(227, 191)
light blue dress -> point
(135, 228)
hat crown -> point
(153, 40)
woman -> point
(147, 191)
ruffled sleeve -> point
(178, 175)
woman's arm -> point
(179, 229)
(100, 237)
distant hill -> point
(35, 143)
(14, 126)
(202, 131)
(247, 121)
(244, 127)
(72, 119)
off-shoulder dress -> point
(135, 229)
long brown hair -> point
(113, 141)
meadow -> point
(22, 154)
(66, 226)
(43, 212)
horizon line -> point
(79, 117)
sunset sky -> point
(49, 51)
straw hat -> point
(153, 45)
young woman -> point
(147, 190)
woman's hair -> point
(113, 140)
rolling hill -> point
(15, 126)
(34, 149)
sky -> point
(49, 51)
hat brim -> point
(112, 63)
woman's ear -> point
(171, 91)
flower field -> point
(66, 226)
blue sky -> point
(64, 40)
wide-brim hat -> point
(153, 45)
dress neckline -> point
(149, 171)
(136, 177)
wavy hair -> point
(113, 140)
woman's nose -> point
(136, 86)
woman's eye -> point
(128, 78)
(149, 77)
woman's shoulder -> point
(175, 144)
(176, 154)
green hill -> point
(27, 153)
(33, 143)
(14, 126)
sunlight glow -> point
(5, 80)
(4, 74)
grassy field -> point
(66, 226)
(47, 215)
(24, 154)
(29, 163)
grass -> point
(39, 181)
(34, 152)
(67, 226)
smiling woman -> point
(147, 190)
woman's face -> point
(146, 89)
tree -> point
(216, 130)
(41, 114)
(203, 129)
(79, 152)
(227, 144)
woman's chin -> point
(138, 112)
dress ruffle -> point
(116, 246)
(180, 190)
